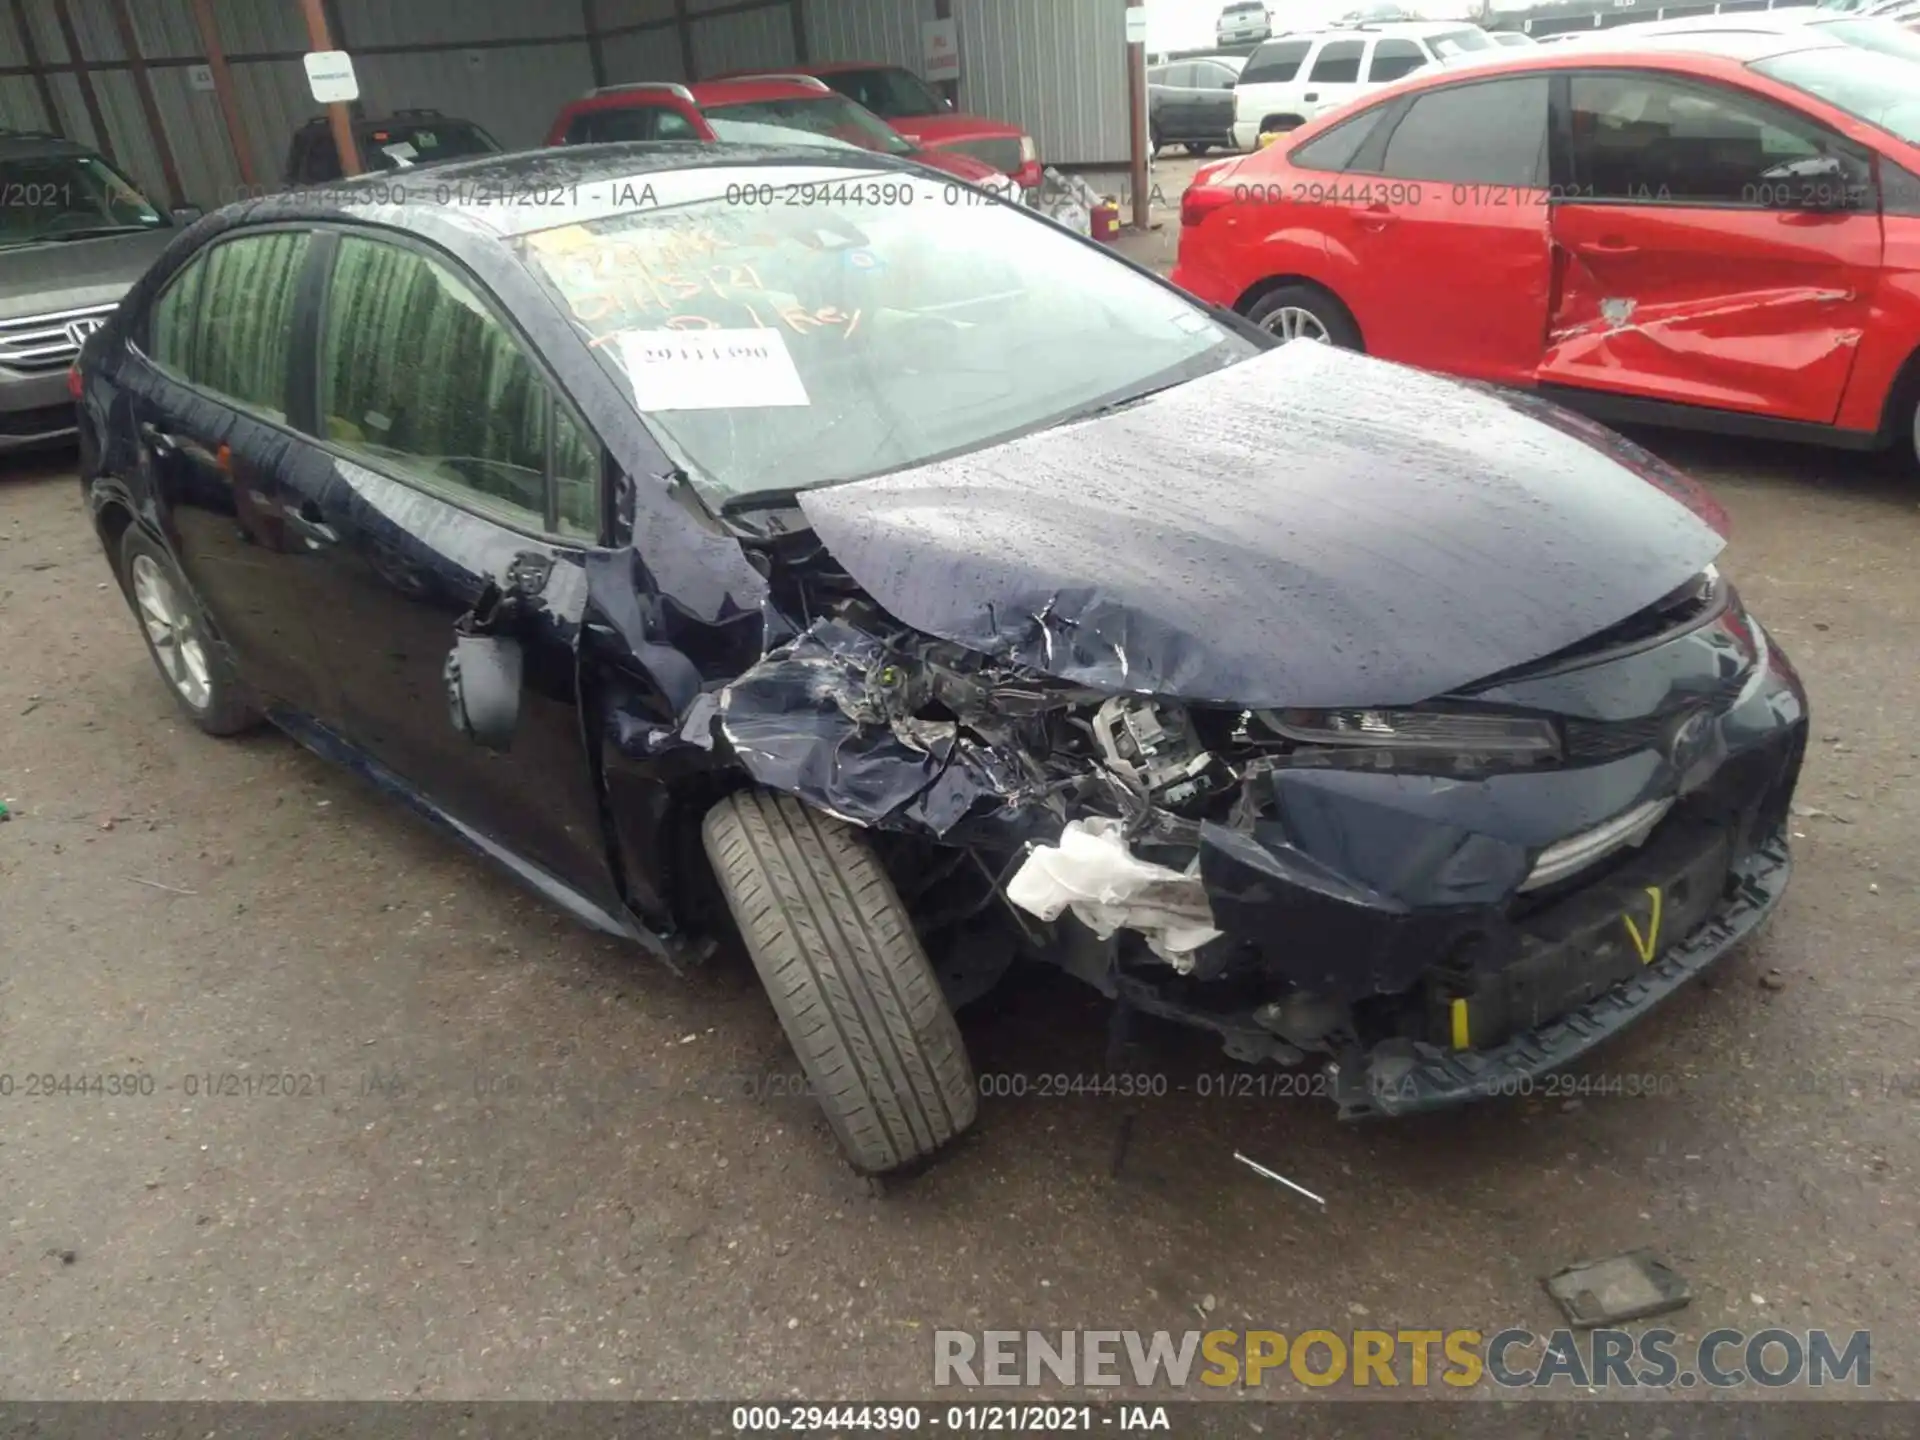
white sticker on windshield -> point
(402, 152)
(711, 369)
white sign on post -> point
(330, 76)
(1137, 25)
(940, 49)
(200, 77)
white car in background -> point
(1879, 31)
(1291, 79)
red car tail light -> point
(75, 386)
(1200, 201)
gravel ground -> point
(514, 1159)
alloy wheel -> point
(176, 639)
(1290, 322)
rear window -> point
(1493, 133)
(833, 116)
(1275, 62)
(1336, 148)
(400, 144)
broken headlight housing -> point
(1522, 738)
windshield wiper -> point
(759, 500)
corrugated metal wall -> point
(1057, 67)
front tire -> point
(198, 673)
(1305, 312)
(854, 990)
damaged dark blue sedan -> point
(799, 544)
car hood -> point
(1306, 528)
(962, 167)
(948, 128)
(73, 274)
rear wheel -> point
(1305, 312)
(1199, 147)
(196, 669)
(855, 993)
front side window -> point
(1647, 138)
(830, 115)
(1393, 58)
(1492, 133)
(49, 198)
(419, 375)
(1338, 63)
(1275, 62)
(225, 323)
(773, 346)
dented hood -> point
(1307, 528)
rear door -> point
(1710, 247)
(221, 376)
(1333, 76)
(1269, 89)
(1450, 228)
(458, 463)
(1212, 100)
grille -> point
(1594, 740)
(48, 342)
(1002, 154)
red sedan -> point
(1719, 232)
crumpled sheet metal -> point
(1305, 528)
(1092, 872)
(803, 721)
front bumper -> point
(35, 409)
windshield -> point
(1875, 34)
(892, 93)
(1460, 42)
(1868, 85)
(746, 132)
(68, 197)
(394, 145)
(834, 116)
(889, 319)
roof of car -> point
(572, 184)
(1743, 46)
(1411, 29)
(742, 91)
(17, 143)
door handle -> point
(158, 440)
(307, 521)
(1375, 217)
(1606, 245)
(1311, 95)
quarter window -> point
(1275, 62)
(1644, 138)
(1335, 150)
(1338, 63)
(1492, 133)
(418, 374)
(1394, 58)
(225, 323)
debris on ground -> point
(1259, 1169)
(1624, 1287)
(1773, 980)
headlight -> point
(1029, 152)
(1519, 737)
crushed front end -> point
(1435, 901)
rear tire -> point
(1199, 147)
(854, 990)
(197, 670)
(1293, 312)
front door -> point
(1333, 78)
(212, 397)
(1449, 232)
(1710, 248)
(457, 465)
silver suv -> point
(74, 235)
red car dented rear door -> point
(1710, 247)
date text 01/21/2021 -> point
(1781, 194)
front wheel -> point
(854, 990)
(1305, 312)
